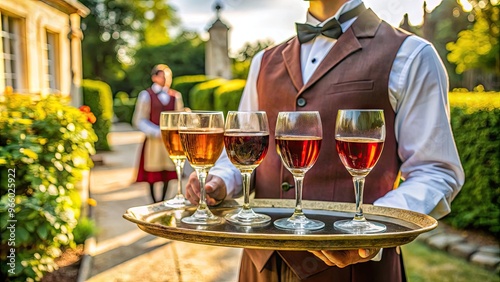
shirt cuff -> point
(378, 257)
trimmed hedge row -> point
(201, 96)
(475, 119)
(98, 96)
(124, 107)
(184, 84)
(198, 91)
(227, 96)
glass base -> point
(299, 223)
(359, 226)
(178, 201)
(203, 217)
(247, 218)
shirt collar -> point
(157, 88)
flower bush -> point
(45, 145)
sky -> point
(253, 20)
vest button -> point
(301, 102)
(285, 186)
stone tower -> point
(217, 62)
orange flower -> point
(90, 116)
(85, 109)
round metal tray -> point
(402, 226)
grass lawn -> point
(424, 264)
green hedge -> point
(97, 95)
(475, 119)
(184, 84)
(123, 107)
(201, 96)
(227, 96)
(45, 146)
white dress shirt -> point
(418, 93)
(142, 111)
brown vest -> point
(353, 75)
(157, 107)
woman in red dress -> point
(155, 165)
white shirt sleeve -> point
(141, 120)
(223, 167)
(431, 168)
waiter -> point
(345, 57)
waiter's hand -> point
(214, 186)
(345, 258)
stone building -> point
(40, 47)
(217, 62)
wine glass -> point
(169, 126)
(246, 138)
(359, 138)
(298, 141)
(202, 138)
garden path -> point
(122, 251)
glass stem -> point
(359, 184)
(298, 195)
(202, 175)
(179, 165)
(246, 189)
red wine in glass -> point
(359, 138)
(246, 149)
(298, 138)
(246, 140)
(298, 152)
(359, 155)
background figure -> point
(356, 61)
(155, 164)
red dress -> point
(154, 116)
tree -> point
(478, 48)
(241, 63)
(440, 27)
(114, 29)
(185, 56)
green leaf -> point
(42, 231)
(22, 235)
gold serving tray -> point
(402, 226)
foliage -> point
(479, 46)
(227, 97)
(249, 50)
(244, 56)
(241, 69)
(44, 148)
(185, 83)
(97, 95)
(114, 29)
(124, 107)
(85, 228)
(185, 56)
(442, 26)
(474, 101)
(478, 203)
(201, 96)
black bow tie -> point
(332, 29)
